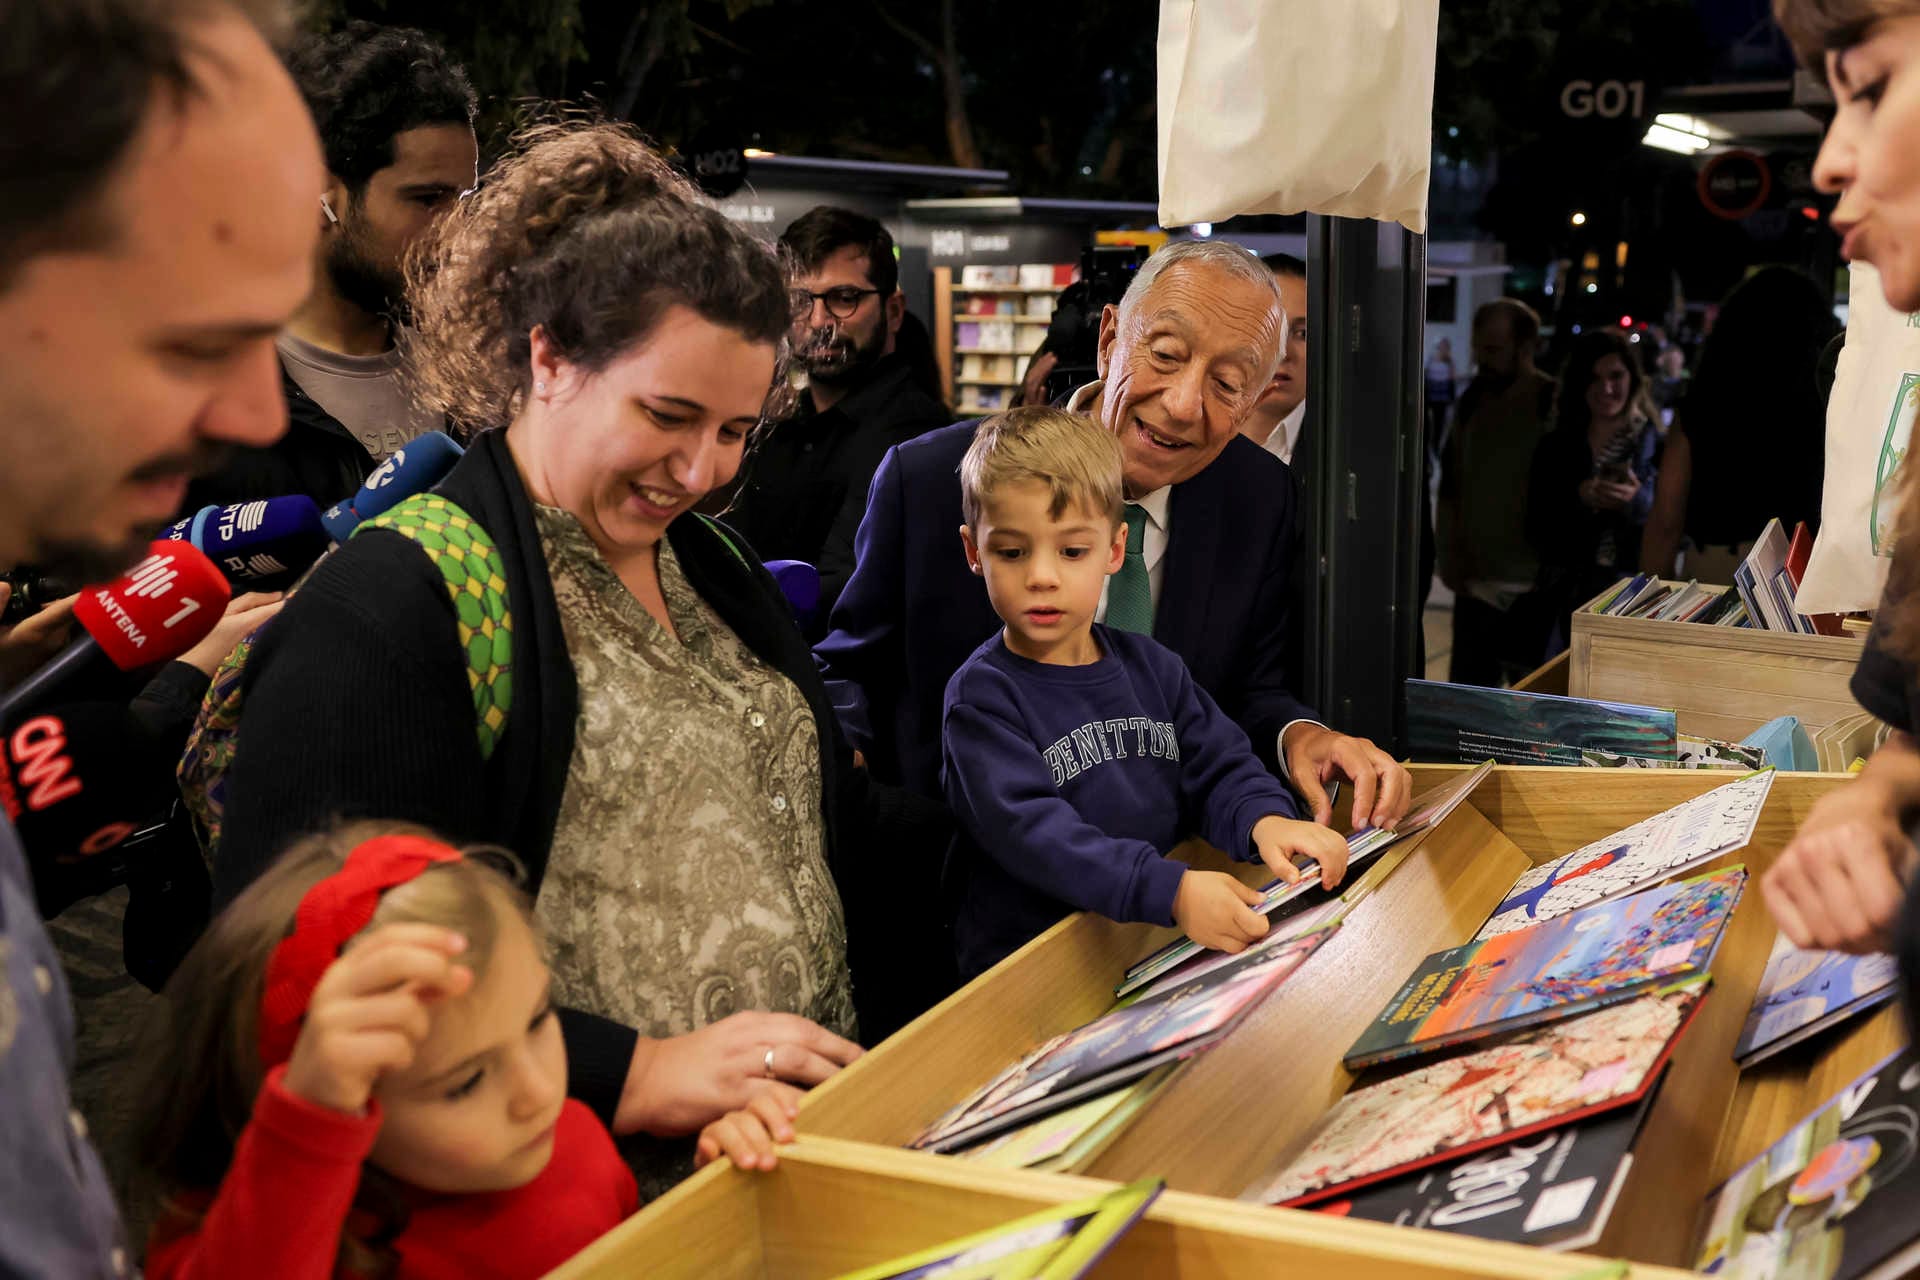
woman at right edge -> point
(1841, 882)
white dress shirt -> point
(1287, 434)
(1159, 528)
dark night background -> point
(1061, 95)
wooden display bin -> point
(847, 1195)
(1724, 682)
(833, 1206)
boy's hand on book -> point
(1278, 840)
(1217, 911)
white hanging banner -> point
(1290, 106)
(1876, 395)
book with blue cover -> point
(1465, 724)
(1803, 993)
(1591, 958)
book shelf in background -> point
(988, 320)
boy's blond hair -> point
(1074, 456)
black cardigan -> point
(357, 705)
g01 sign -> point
(1609, 99)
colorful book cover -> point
(1068, 1139)
(1679, 839)
(1690, 753)
(1553, 1190)
(1062, 1243)
(1281, 901)
(1464, 724)
(1121, 1046)
(1832, 1200)
(1803, 993)
(1546, 1078)
(1595, 956)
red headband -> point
(330, 913)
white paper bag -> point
(1876, 393)
(1284, 106)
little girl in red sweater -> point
(359, 1073)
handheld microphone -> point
(80, 783)
(261, 543)
(414, 468)
(75, 781)
(799, 582)
(153, 613)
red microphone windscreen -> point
(157, 610)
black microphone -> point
(77, 781)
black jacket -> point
(317, 457)
(805, 485)
(357, 705)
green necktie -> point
(1129, 597)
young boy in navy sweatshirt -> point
(1076, 755)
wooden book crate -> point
(1724, 682)
(847, 1195)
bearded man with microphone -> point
(139, 301)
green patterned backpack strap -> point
(476, 580)
(720, 531)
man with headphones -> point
(395, 115)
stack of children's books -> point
(1065, 1102)
(1646, 596)
(1764, 593)
(1522, 1065)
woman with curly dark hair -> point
(659, 748)
(1840, 883)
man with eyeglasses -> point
(805, 485)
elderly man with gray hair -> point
(1210, 548)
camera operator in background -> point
(1066, 357)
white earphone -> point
(326, 207)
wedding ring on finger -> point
(767, 1063)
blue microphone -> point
(799, 582)
(264, 542)
(414, 468)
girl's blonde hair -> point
(201, 1068)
